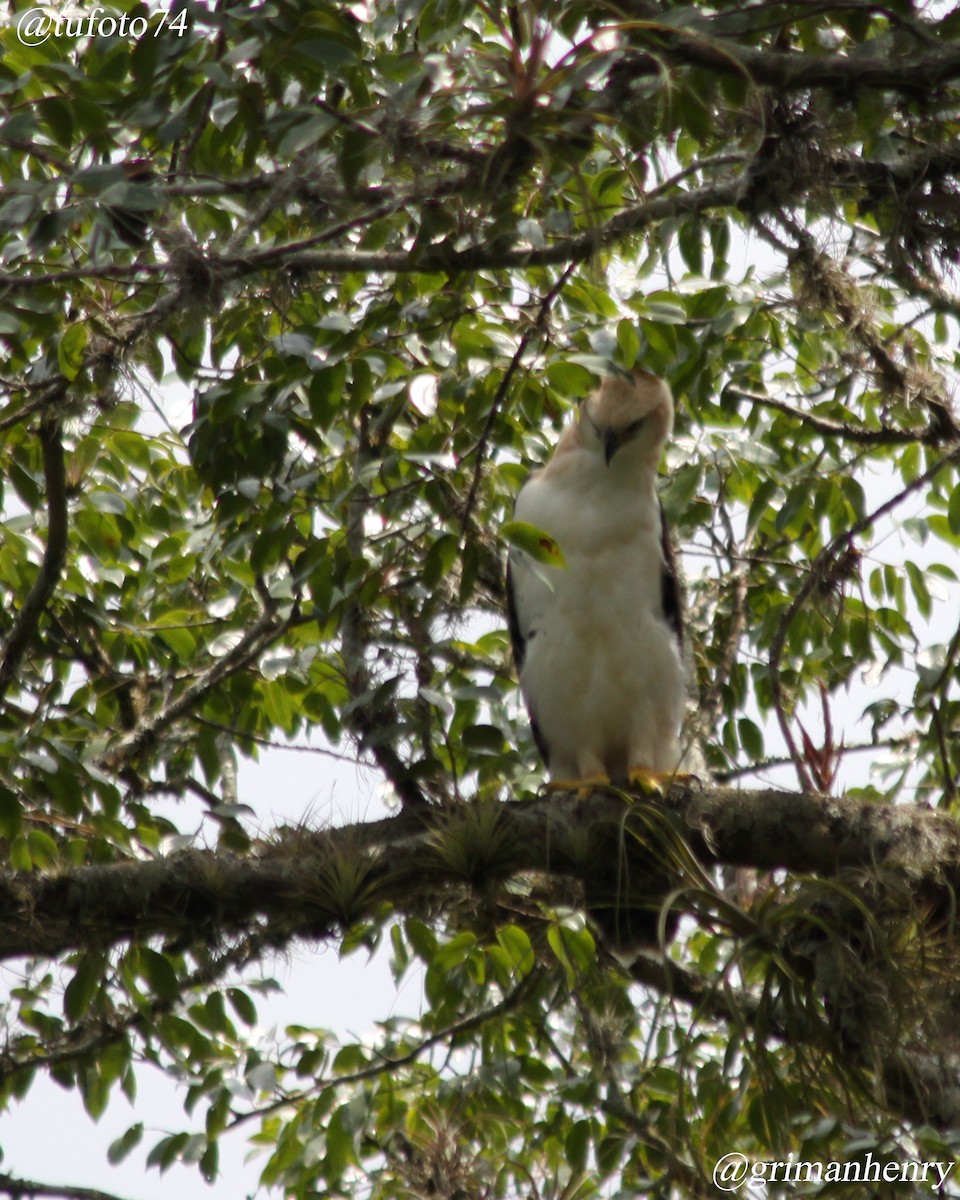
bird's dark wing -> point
(519, 643)
(517, 640)
(670, 583)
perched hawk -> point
(598, 641)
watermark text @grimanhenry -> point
(37, 25)
(735, 1171)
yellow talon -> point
(583, 787)
(656, 783)
(649, 782)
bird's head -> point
(634, 411)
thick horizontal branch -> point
(436, 259)
(733, 192)
(314, 884)
(871, 66)
(483, 257)
(11, 1186)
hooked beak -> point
(610, 440)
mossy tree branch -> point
(315, 884)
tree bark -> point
(314, 884)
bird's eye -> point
(634, 427)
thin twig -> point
(368, 724)
(481, 445)
(827, 561)
(884, 436)
(86, 1037)
(265, 630)
(389, 1064)
(768, 764)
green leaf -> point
(440, 559)
(119, 1149)
(484, 739)
(516, 942)
(209, 1162)
(953, 511)
(166, 1152)
(244, 1007)
(456, 951)
(349, 1059)
(157, 970)
(569, 378)
(11, 813)
(194, 1148)
(174, 629)
(20, 858)
(574, 949)
(751, 738)
(80, 992)
(540, 546)
(918, 586)
(629, 342)
(760, 502)
(44, 851)
(578, 1143)
(340, 1144)
(940, 525)
(305, 133)
(690, 233)
(70, 351)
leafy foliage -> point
(385, 248)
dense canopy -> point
(383, 250)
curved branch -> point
(54, 556)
